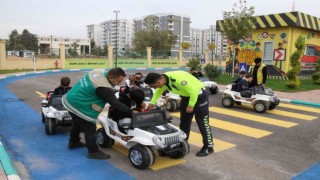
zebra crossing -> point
(281, 118)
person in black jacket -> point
(64, 86)
(243, 86)
(135, 98)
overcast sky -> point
(69, 18)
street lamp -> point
(116, 11)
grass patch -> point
(274, 84)
(20, 70)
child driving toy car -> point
(64, 86)
(243, 86)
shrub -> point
(212, 71)
(295, 64)
(194, 62)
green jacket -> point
(82, 99)
(182, 83)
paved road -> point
(276, 145)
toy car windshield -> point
(56, 102)
(149, 119)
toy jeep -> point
(54, 114)
(262, 99)
(141, 134)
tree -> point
(73, 51)
(211, 46)
(158, 40)
(194, 62)
(13, 40)
(29, 40)
(185, 45)
(25, 41)
(295, 64)
(237, 24)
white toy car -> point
(54, 113)
(143, 133)
(262, 99)
(210, 85)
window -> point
(268, 53)
(311, 51)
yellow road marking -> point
(303, 108)
(293, 115)
(40, 94)
(233, 127)
(196, 139)
(251, 117)
(160, 162)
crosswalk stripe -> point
(293, 115)
(160, 162)
(303, 108)
(196, 139)
(233, 127)
(40, 94)
(251, 117)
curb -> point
(7, 165)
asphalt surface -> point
(280, 152)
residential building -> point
(94, 33)
(123, 34)
(51, 44)
(201, 38)
(177, 23)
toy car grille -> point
(171, 140)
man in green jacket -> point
(194, 101)
(86, 100)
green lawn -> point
(19, 70)
(274, 84)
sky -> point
(68, 18)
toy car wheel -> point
(43, 117)
(103, 139)
(141, 157)
(51, 126)
(181, 153)
(228, 102)
(172, 105)
(214, 90)
(260, 106)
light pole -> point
(116, 11)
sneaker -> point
(73, 145)
(205, 151)
(98, 155)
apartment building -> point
(201, 38)
(94, 33)
(52, 44)
(177, 23)
(108, 32)
(123, 34)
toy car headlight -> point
(57, 115)
(159, 141)
(183, 135)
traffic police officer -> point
(194, 101)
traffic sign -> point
(243, 67)
(279, 55)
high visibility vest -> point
(259, 73)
